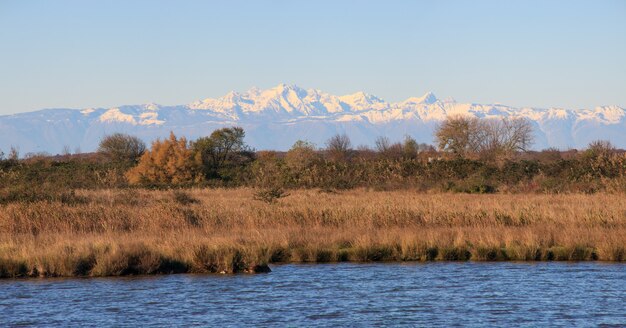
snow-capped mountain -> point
(275, 118)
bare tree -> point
(504, 137)
(382, 144)
(120, 147)
(66, 151)
(11, 159)
(339, 143)
(14, 154)
(488, 138)
(338, 146)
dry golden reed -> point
(121, 232)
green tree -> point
(410, 147)
(224, 147)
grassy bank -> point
(120, 232)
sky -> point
(79, 54)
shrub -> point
(301, 156)
(184, 198)
(169, 162)
(270, 195)
(25, 194)
(600, 148)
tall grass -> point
(121, 232)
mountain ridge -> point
(275, 118)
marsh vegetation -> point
(215, 205)
(119, 232)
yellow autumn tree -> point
(170, 161)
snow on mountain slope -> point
(275, 118)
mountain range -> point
(275, 118)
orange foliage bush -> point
(170, 161)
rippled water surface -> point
(432, 294)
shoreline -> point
(121, 232)
(145, 262)
(271, 267)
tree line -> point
(471, 155)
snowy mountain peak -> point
(360, 101)
(285, 90)
(428, 98)
(114, 115)
(284, 87)
(254, 91)
(87, 111)
(274, 118)
(152, 106)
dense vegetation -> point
(468, 161)
(121, 232)
(234, 209)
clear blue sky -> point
(105, 53)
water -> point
(432, 294)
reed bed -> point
(123, 232)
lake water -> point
(413, 294)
